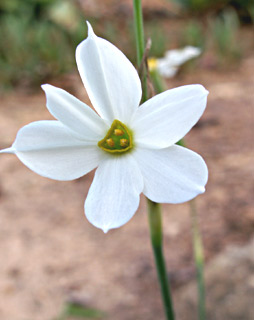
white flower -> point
(133, 147)
(169, 65)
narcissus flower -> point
(173, 59)
(132, 147)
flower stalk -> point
(199, 259)
(154, 209)
(139, 29)
(140, 44)
(155, 222)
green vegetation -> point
(194, 35)
(78, 311)
(35, 43)
(159, 40)
(224, 30)
(199, 6)
(38, 37)
(244, 8)
(220, 36)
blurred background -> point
(54, 264)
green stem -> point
(139, 29)
(154, 210)
(155, 222)
(140, 44)
(199, 260)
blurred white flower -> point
(169, 65)
(133, 147)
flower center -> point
(117, 140)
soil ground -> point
(50, 253)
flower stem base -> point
(155, 221)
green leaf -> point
(78, 311)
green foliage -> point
(251, 12)
(34, 47)
(29, 50)
(199, 6)
(220, 37)
(224, 30)
(38, 37)
(244, 8)
(194, 35)
(159, 40)
(78, 311)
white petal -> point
(172, 175)
(51, 150)
(169, 65)
(177, 57)
(75, 114)
(166, 118)
(111, 81)
(7, 150)
(166, 70)
(113, 197)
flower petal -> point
(50, 149)
(178, 57)
(111, 81)
(166, 118)
(113, 197)
(75, 114)
(172, 175)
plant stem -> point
(199, 260)
(154, 210)
(140, 43)
(139, 29)
(155, 222)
